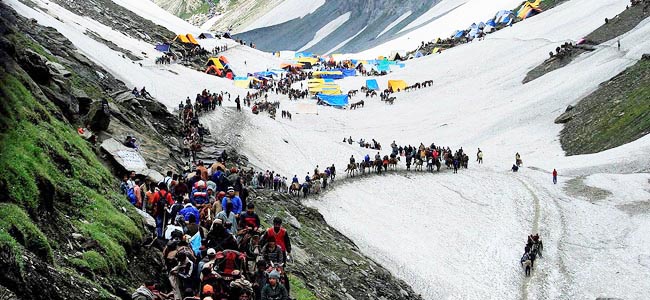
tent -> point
(396, 55)
(459, 34)
(212, 70)
(182, 38)
(504, 17)
(311, 60)
(372, 84)
(191, 39)
(163, 47)
(303, 54)
(529, 9)
(491, 22)
(213, 61)
(395, 85)
(436, 50)
(223, 60)
(206, 35)
(334, 100)
(418, 54)
(242, 82)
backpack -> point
(228, 261)
(160, 205)
(130, 195)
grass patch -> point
(23, 41)
(95, 261)
(45, 165)
(8, 243)
(615, 114)
(204, 8)
(299, 290)
(18, 226)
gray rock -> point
(148, 220)
(565, 117)
(56, 69)
(99, 116)
(77, 236)
(293, 221)
(404, 293)
(126, 158)
(349, 296)
(346, 261)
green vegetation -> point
(204, 8)
(23, 41)
(96, 261)
(615, 114)
(13, 217)
(47, 169)
(299, 290)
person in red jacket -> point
(554, 176)
(281, 237)
(160, 201)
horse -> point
(378, 164)
(526, 264)
(315, 186)
(363, 165)
(392, 163)
(430, 164)
(294, 189)
(390, 100)
(519, 162)
(306, 186)
(351, 169)
(418, 164)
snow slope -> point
(450, 236)
(168, 83)
(285, 11)
(477, 221)
(448, 16)
(327, 30)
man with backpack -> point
(161, 200)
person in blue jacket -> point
(295, 179)
(234, 199)
(188, 210)
(367, 158)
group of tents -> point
(501, 19)
(219, 66)
(394, 85)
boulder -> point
(127, 159)
(564, 118)
(99, 116)
(35, 65)
(148, 220)
(57, 70)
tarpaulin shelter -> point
(303, 54)
(213, 61)
(191, 39)
(329, 74)
(529, 9)
(334, 100)
(311, 60)
(182, 38)
(372, 84)
(212, 70)
(395, 85)
(206, 35)
(504, 17)
(163, 47)
(242, 82)
(223, 60)
(418, 54)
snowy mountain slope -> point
(477, 220)
(478, 101)
(168, 83)
(367, 20)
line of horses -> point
(533, 249)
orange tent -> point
(182, 38)
(191, 39)
(214, 70)
(224, 59)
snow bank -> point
(285, 11)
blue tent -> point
(162, 47)
(459, 34)
(303, 54)
(334, 100)
(372, 84)
(417, 55)
(381, 68)
(332, 76)
(348, 72)
(491, 22)
(328, 80)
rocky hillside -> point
(367, 19)
(615, 114)
(65, 231)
